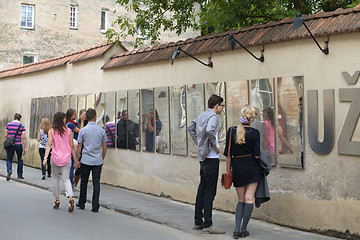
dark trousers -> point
(209, 173)
(85, 173)
(10, 155)
(43, 168)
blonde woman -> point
(42, 138)
(245, 152)
(62, 139)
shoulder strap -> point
(17, 130)
(228, 158)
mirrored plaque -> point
(110, 119)
(195, 97)
(149, 120)
(236, 98)
(262, 98)
(32, 119)
(65, 103)
(127, 131)
(73, 102)
(218, 88)
(90, 101)
(58, 103)
(289, 139)
(178, 120)
(81, 104)
(100, 108)
(161, 96)
(52, 108)
(37, 114)
(133, 116)
(45, 108)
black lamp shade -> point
(231, 42)
(298, 21)
(176, 54)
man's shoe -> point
(43, 177)
(213, 230)
(236, 235)
(198, 227)
(8, 176)
(94, 210)
(79, 206)
(20, 177)
(244, 234)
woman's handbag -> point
(226, 178)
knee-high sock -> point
(248, 208)
(238, 215)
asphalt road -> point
(26, 213)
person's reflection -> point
(149, 128)
(301, 129)
(110, 132)
(269, 138)
(125, 125)
(285, 145)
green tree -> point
(209, 16)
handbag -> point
(226, 178)
(10, 141)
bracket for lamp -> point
(232, 42)
(177, 53)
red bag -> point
(226, 178)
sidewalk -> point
(164, 211)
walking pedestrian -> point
(94, 139)
(245, 153)
(204, 132)
(15, 128)
(62, 139)
(75, 128)
(42, 138)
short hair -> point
(17, 116)
(213, 100)
(90, 114)
(123, 112)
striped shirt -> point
(11, 128)
(111, 140)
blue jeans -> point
(10, 155)
(72, 172)
(209, 173)
(43, 168)
(85, 173)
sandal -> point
(57, 204)
(71, 205)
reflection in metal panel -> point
(148, 120)
(32, 118)
(110, 117)
(236, 98)
(100, 108)
(178, 120)
(289, 147)
(162, 104)
(133, 100)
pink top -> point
(270, 136)
(61, 152)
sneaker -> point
(8, 176)
(198, 227)
(213, 230)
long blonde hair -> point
(247, 116)
(45, 125)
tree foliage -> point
(210, 16)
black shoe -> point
(244, 234)
(20, 177)
(236, 235)
(79, 206)
(43, 177)
(93, 210)
(8, 176)
(49, 176)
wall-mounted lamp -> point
(177, 53)
(299, 21)
(232, 42)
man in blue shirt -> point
(94, 139)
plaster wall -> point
(306, 199)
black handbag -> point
(10, 141)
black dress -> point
(246, 168)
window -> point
(29, 58)
(73, 17)
(27, 16)
(104, 21)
